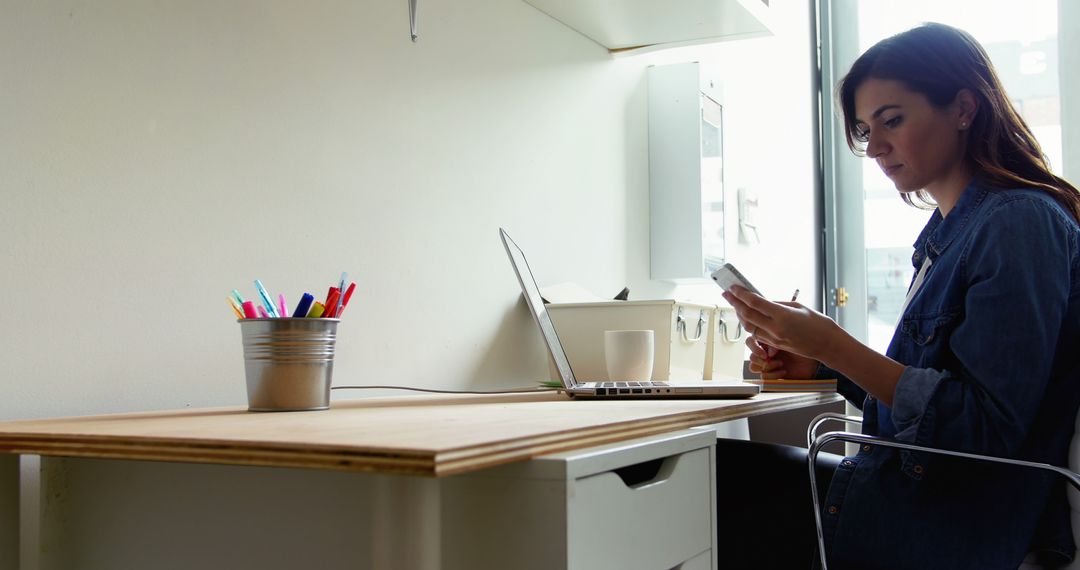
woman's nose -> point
(876, 146)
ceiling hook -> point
(412, 19)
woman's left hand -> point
(787, 325)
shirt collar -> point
(941, 231)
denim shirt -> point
(991, 349)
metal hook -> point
(412, 19)
(680, 325)
(724, 331)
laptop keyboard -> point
(631, 384)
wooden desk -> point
(418, 435)
(402, 446)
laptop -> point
(607, 389)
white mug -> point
(629, 355)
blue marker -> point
(304, 306)
(270, 309)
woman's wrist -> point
(870, 370)
(834, 345)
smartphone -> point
(727, 276)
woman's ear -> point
(965, 107)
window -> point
(875, 267)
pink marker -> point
(262, 312)
(281, 305)
(249, 310)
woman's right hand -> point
(772, 362)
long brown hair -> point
(938, 61)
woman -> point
(986, 356)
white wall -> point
(158, 154)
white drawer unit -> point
(648, 504)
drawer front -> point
(689, 342)
(652, 525)
(727, 346)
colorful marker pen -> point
(345, 300)
(341, 295)
(232, 303)
(304, 305)
(270, 310)
(316, 310)
(249, 310)
(331, 302)
(282, 311)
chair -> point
(816, 442)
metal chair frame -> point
(816, 442)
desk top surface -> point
(415, 435)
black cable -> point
(515, 391)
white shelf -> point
(628, 24)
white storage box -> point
(726, 346)
(681, 335)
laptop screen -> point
(539, 312)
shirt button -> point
(869, 398)
(917, 469)
(833, 509)
(866, 448)
(847, 463)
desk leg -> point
(712, 502)
(29, 512)
(9, 512)
(406, 522)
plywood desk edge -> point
(387, 461)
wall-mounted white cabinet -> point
(686, 172)
(625, 24)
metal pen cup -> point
(288, 362)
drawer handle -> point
(724, 331)
(647, 473)
(680, 324)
